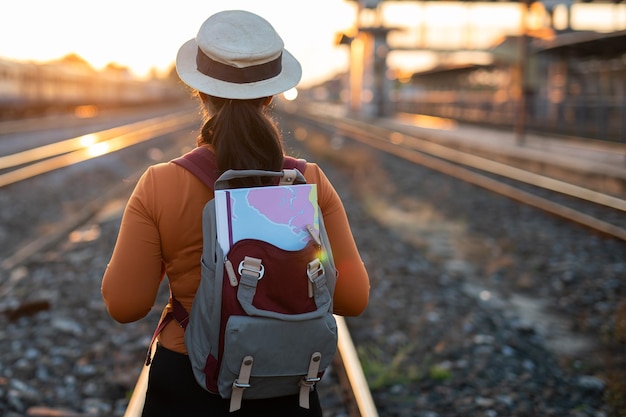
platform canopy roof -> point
(586, 43)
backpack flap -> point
(290, 286)
(281, 353)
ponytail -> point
(242, 134)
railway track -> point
(32, 162)
(24, 165)
(369, 133)
(497, 177)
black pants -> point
(173, 392)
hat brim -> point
(188, 72)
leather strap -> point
(251, 266)
(241, 383)
(307, 382)
(178, 313)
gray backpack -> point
(261, 324)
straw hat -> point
(238, 55)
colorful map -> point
(278, 215)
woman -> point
(236, 63)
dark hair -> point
(242, 134)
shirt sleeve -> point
(134, 273)
(352, 288)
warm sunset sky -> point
(143, 34)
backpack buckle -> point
(314, 269)
(253, 266)
(241, 383)
(308, 381)
(289, 177)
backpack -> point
(261, 324)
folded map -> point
(276, 214)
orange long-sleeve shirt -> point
(161, 234)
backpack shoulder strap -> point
(202, 163)
(293, 163)
(178, 313)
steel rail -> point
(354, 371)
(73, 151)
(64, 146)
(467, 159)
(447, 163)
(138, 397)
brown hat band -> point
(223, 72)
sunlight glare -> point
(86, 111)
(300, 134)
(396, 138)
(428, 122)
(98, 149)
(86, 234)
(88, 140)
(291, 94)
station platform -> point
(598, 165)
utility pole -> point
(369, 86)
(522, 59)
